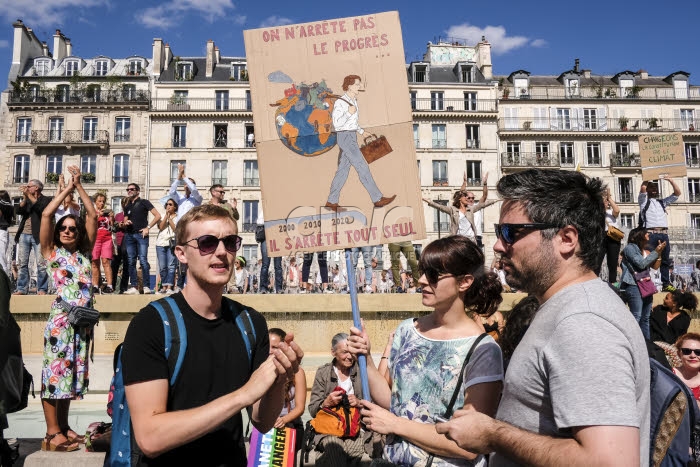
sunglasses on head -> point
(687, 351)
(71, 228)
(207, 244)
(507, 232)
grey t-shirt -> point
(582, 362)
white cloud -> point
(275, 20)
(239, 19)
(501, 42)
(172, 13)
(4, 44)
(42, 13)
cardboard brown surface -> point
(662, 155)
(297, 73)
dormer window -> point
(135, 67)
(183, 72)
(42, 67)
(680, 88)
(626, 84)
(521, 88)
(420, 73)
(466, 74)
(101, 67)
(72, 67)
(573, 87)
(239, 72)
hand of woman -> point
(354, 401)
(358, 341)
(332, 399)
(377, 419)
(660, 247)
(75, 172)
(279, 423)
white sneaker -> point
(169, 292)
(132, 291)
(328, 291)
(146, 290)
(302, 291)
(175, 289)
(368, 289)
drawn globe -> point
(303, 120)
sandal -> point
(65, 446)
(80, 439)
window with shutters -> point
(566, 154)
(563, 119)
(624, 190)
(691, 155)
(694, 190)
(593, 154)
(590, 119)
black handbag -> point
(260, 233)
(80, 316)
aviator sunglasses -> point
(507, 232)
(207, 244)
(687, 351)
(70, 228)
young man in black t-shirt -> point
(198, 421)
(136, 239)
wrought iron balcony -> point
(473, 144)
(454, 105)
(70, 137)
(83, 98)
(694, 198)
(120, 179)
(439, 143)
(626, 198)
(529, 159)
(251, 181)
(598, 93)
(473, 181)
(219, 181)
(200, 104)
(440, 181)
(122, 138)
(625, 160)
(597, 124)
(441, 227)
(692, 162)
(249, 226)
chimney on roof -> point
(643, 74)
(69, 48)
(158, 54)
(586, 73)
(577, 63)
(167, 56)
(44, 49)
(210, 59)
(59, 46)
(217, 55)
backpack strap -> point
(175, 334)
(245, 325)
(643, 214)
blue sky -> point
(543, 37)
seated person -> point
(670, 321)
(343, 371)
(688, 346)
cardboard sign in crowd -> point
(334, 134)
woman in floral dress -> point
(65, 365)
(427, 354)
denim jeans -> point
(4, 240)
(182, 272)
(166, 264)
(367, 254)
(136, 245)
(654, 239)
(640, 307)
(121, 259)
(264, 271)
(25, 247)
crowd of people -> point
(440, 393)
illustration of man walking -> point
(346, 123)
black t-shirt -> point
(137, 213)
(215, 364)
(667, 331)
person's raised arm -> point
(438, 206)
(613, 205)
(676, 188)
(47, 221)
(194, 193)
(464, 182)
(485, 190)
(90, 211)
(234, 206)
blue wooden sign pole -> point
(361, 360)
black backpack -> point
(674, 420)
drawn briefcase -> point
(375, 147)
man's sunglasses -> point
(71, 228)
(687, 351)
(507, 232)
(207, 244)
(131, 189)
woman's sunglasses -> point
(433, 275)
(207, 244)
(687, 351)
(71, 228)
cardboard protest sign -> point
(274, 448)
(662, 156)
(334, 132)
